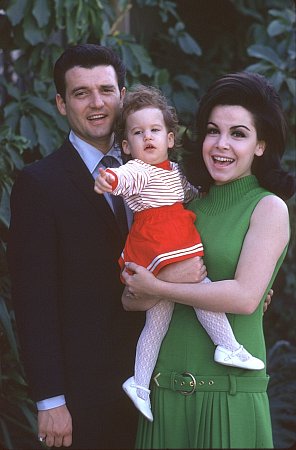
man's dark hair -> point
(86, 56)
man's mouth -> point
(96, 117)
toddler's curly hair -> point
(140, 97)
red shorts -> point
(162, 236)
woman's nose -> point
(222, 142)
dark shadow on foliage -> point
(281, 365)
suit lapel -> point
(84, 182)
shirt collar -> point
(90, 155)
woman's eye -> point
(238, 133)
(212, 131)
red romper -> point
(163, 231)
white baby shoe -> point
(238, 358)
(130, 388)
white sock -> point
(218, 327)
(157, 322)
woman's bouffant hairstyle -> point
(254, 93)
(140, 97)
(86, 56)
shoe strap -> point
(137, 386)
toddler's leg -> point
(157, 322)
(229, 351)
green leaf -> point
(12, 114)
(71, 26)
(14, 155)
(287, 14)
(42, 104)
(265, 53)
(13, 91)
(276, 27)
(161, 77)
(260, 67)
(27, 130)
(41, 12)
(11, 109)
(186, 81)
(59, 13)
(44, 136)
(291, 83)
(4, 314)
(277, 79)
(16, 11)
(143, 59)
(32, 33)
(189, 45)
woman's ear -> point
(125, 148)
(260, 148)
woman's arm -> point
(265, 241)
(189, 270)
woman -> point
(244, 226)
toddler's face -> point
(147, 136)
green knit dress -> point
(229, 407)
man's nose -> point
(97, 100)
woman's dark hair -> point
(86, 56)
(254, 93)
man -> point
(77, 341)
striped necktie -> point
(117, 200)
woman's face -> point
(230, 144)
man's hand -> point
(55, 425)
(104, 182)
(267, 301)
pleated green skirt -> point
(207, 419)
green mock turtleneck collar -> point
(222, 197)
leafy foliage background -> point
(179, 46)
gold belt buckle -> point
(192, 383)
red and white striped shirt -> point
(146, 186)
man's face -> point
(92, 103)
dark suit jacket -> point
(63, 248)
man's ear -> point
(61, 105)
(125, 147)
(260, 148)
(122, 94)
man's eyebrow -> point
(78, 88)
(108, 86)
(102, 86)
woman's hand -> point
(139, 280)
(267, 301)
(131, 302)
